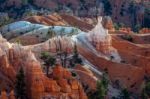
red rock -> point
(38, 85)
(144, 30)
(87, 79)
(60, 19)
(74, 84)
(59, 72)
(51, 86)
(67, 74)
(4, 95)
(128, 75)
(12, 96)
(65, 87)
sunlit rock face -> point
(13, 56)
(60, 83)
(97, 40)
(101, 40)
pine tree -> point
(101, 89)
(48, 61)
(125, 94)
(75, 51)
(20, 87)
(105, 80)
(50, 33)
(144, 95)
(76, 58)
(146, 91)
(65, 58)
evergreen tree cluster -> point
(20, 86)
(124, 94)
(146, 91)
(101, 89)
(75, 59)
(49, 61)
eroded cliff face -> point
(101, 40)
(117, 72)
(105, 43)
(61, 84)
(126, 62)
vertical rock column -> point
(35, 80)
(100, 38)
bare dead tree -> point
(60, 51)
(49, 45)
(56, 45)
(65, 58)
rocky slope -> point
(59, 84)
(60, 19)
(124, 55)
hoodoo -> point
(74, 49)
(101, 40)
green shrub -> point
(146, 90)
(73, 74)
(125, 94)
(127, 37)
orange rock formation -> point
(60, 19)
(59, 85)
(5, 96)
